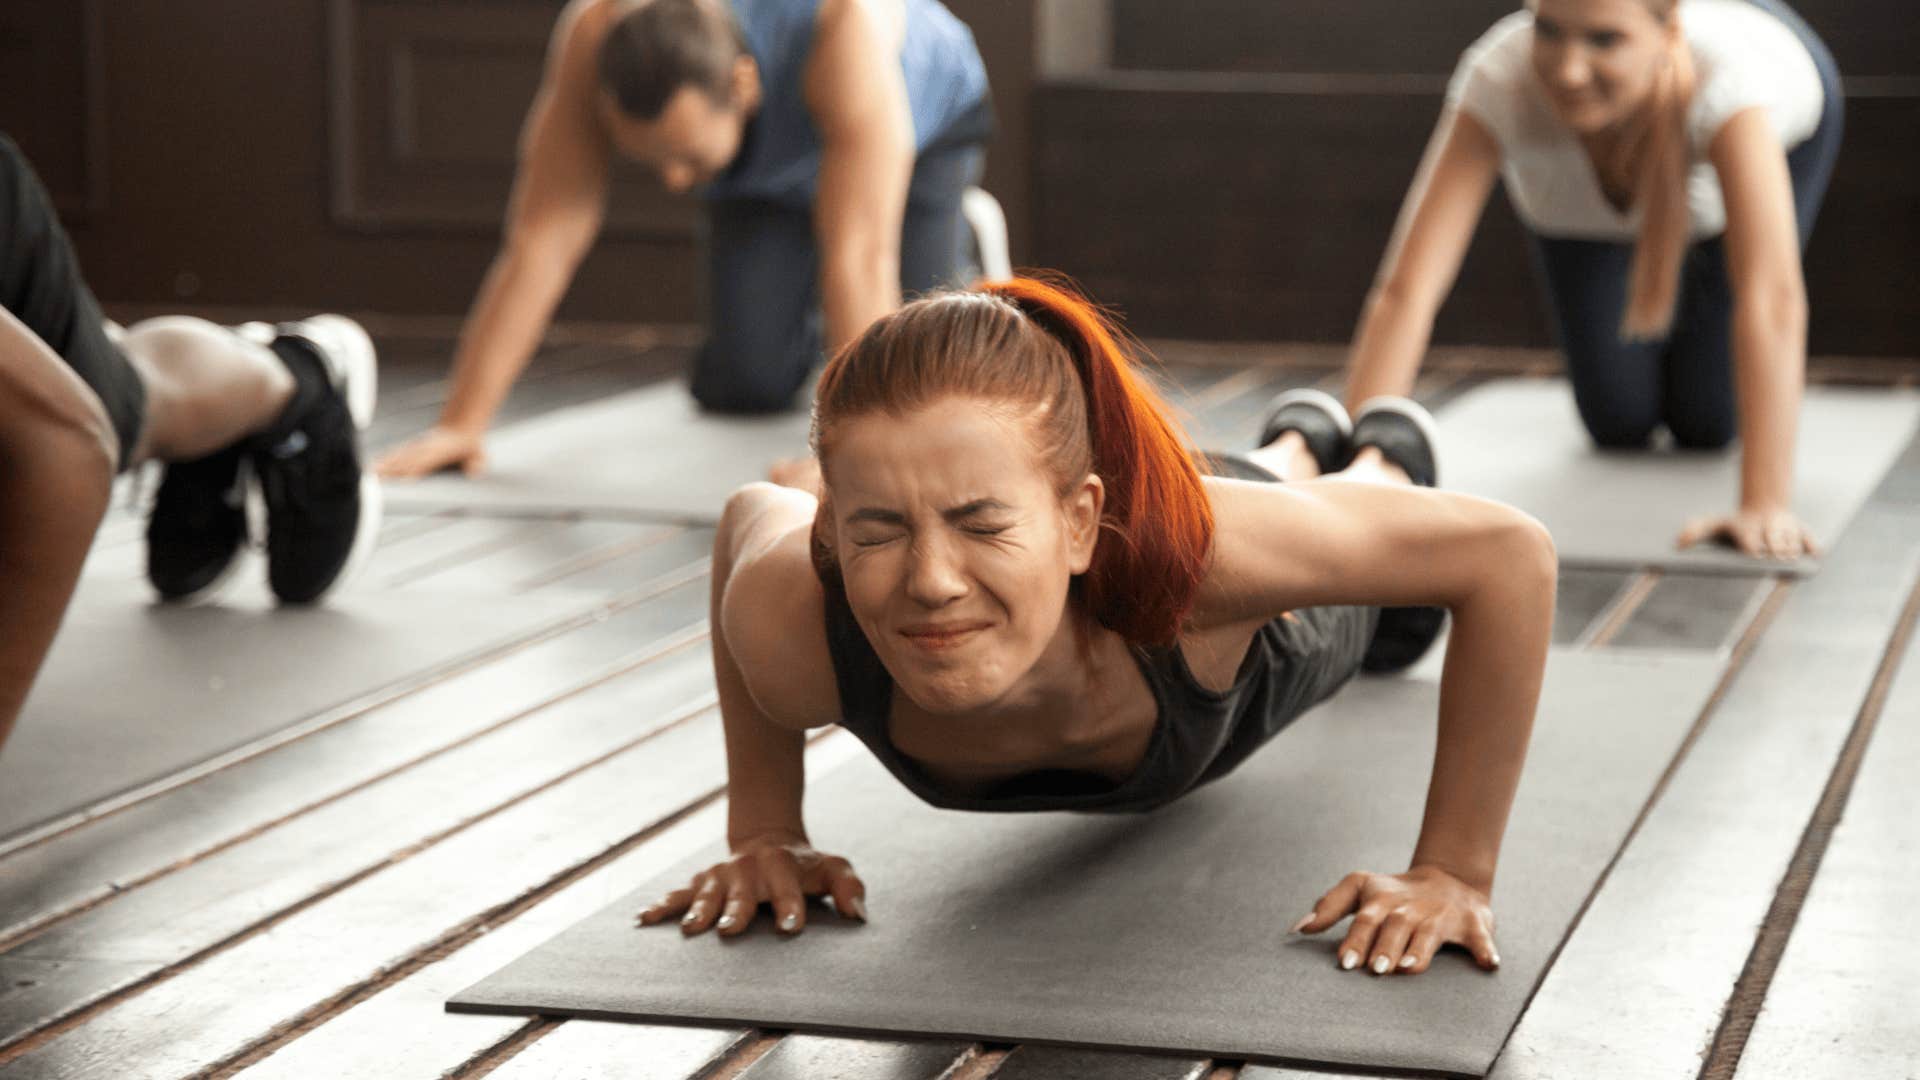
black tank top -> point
(1293, 663)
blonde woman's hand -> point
(1401, 920)
(773, 871)
(1757, 531)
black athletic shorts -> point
(40, 284)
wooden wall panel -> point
(53, 69)
(1867, 37)
(427, 104)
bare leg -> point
(207, 387)
(1287, 457)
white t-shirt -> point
(1743, 57)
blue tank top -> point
(779, 159)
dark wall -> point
(350, 154)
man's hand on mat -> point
(439, 448)
(726, 895)
(1762, 533)
(1401, 920)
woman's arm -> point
(1494, 569)
(1769, 337)
(763, 590)
(1430, 238)
(57, 453)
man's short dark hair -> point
(659, 47)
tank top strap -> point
(866, 687)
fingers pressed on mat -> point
(1391, 942)
(782, 888)
(1358, 944)
(741, 903)
(1419, 955)
(1337, 904)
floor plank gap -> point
(1750, 990)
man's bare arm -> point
(858, 98)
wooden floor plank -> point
(815, 1057)
(219, 897)
(1844, 1002)
(536, 557)
(1055, 1063)
(405, 1030)
(1693, 611)
(676, 549)
(589, 1050)
(466, 538)
(101, 858)
(222, 1005)
(1638, 990)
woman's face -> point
(956, 547)
(1598, 59)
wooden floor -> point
(302, 907)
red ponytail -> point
(1033, 343)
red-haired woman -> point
(1668, 158)
(1020, 593)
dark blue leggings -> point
(764, 325)
(1627, 389)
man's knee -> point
(741, 377)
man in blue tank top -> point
(831, 141)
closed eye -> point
(1604, 39)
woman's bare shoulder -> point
(773, 618)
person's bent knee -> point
(743, 398)
(1702, 432)
(1612, 433)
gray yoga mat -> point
(646, 452)
(1164, 932)
(1520, 441)
(133, 692)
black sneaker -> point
(197, 526)
(1404, 433)
(323, 509)
(1319, 418)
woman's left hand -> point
(1401, 920)
(1756, 531)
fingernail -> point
(790, 922)
(1380, 965)
(726, 921)
(1349, 961)
(1496, 959)
(1406, 961)
(687, 918)
(1302, 924)
(857, 908)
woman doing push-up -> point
(1021, 594)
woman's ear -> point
(1082, 508)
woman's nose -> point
(934, 579)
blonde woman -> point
(1668, 158)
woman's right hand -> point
(779, 872)
(438, 448)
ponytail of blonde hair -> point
(1661, 144)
